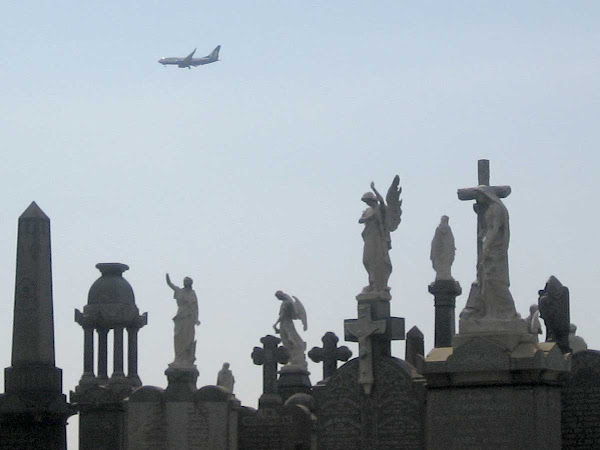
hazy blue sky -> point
(247, 174)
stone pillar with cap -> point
(110, 309)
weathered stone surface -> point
(391, 417)
(494, 417)
(491, 392)
(288, 427)
(581, 402)
(206, 420)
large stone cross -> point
(268, 357)
(330, 354)
(362, 330)
(483, 175)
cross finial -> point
(269, 356)
(330, 354)
(483, 177)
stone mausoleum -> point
(489, 383)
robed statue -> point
(490, 297)
(554, 304)
(443, 250)
(380, 219)
(225, 378)
(291, 309)
(185, 320)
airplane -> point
(190, 61)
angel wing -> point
(393, 213)
(300, 312)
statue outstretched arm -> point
(377, 194)
(171, 285)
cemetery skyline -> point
(247, 175)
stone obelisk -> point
(33, 409)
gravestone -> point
(288, 427)
(390, 417)
(206, 419)
(580, 421)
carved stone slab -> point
(581, 402)
(275, 428)
(391, 417)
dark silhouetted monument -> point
(33, 409)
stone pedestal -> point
(293, 380)
(494, 390)
(182, 383)
(444, 293)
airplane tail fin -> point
(215, 53)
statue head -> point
(533, 309)
(280, 295)
(572, 328)
(444, 220)
(369, 198)
(226, 366)
(187, 282)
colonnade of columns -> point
(88, 353)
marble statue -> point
(490, 297)
(554, 306)
(185, 320)
(380, 219)
(291, 309)
(443, 250)
(534, 327)
(577, 343)
(225, 378)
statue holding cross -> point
(490, 297)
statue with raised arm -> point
(185, 320)
(443, 250)
(380, 219)
(291, 309)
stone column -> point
(102, 353)
(132, 356)
(88, 353)
(118, 353)
(445, 293)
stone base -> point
(374, 295)
(182, 383)
(34, 421)
(293, 380)
(494, 391)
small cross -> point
(362, 330)
(268, 357)
(483, 176)
(330, 354)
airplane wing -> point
(188, 58)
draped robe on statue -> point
(376, 252)
(490, 297)
(185, 322)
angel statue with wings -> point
(380, 219)
(291, 309)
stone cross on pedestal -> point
(483, 175)
(362, 330)
(330, 354)
(269, 356)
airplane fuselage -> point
(182, 63)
